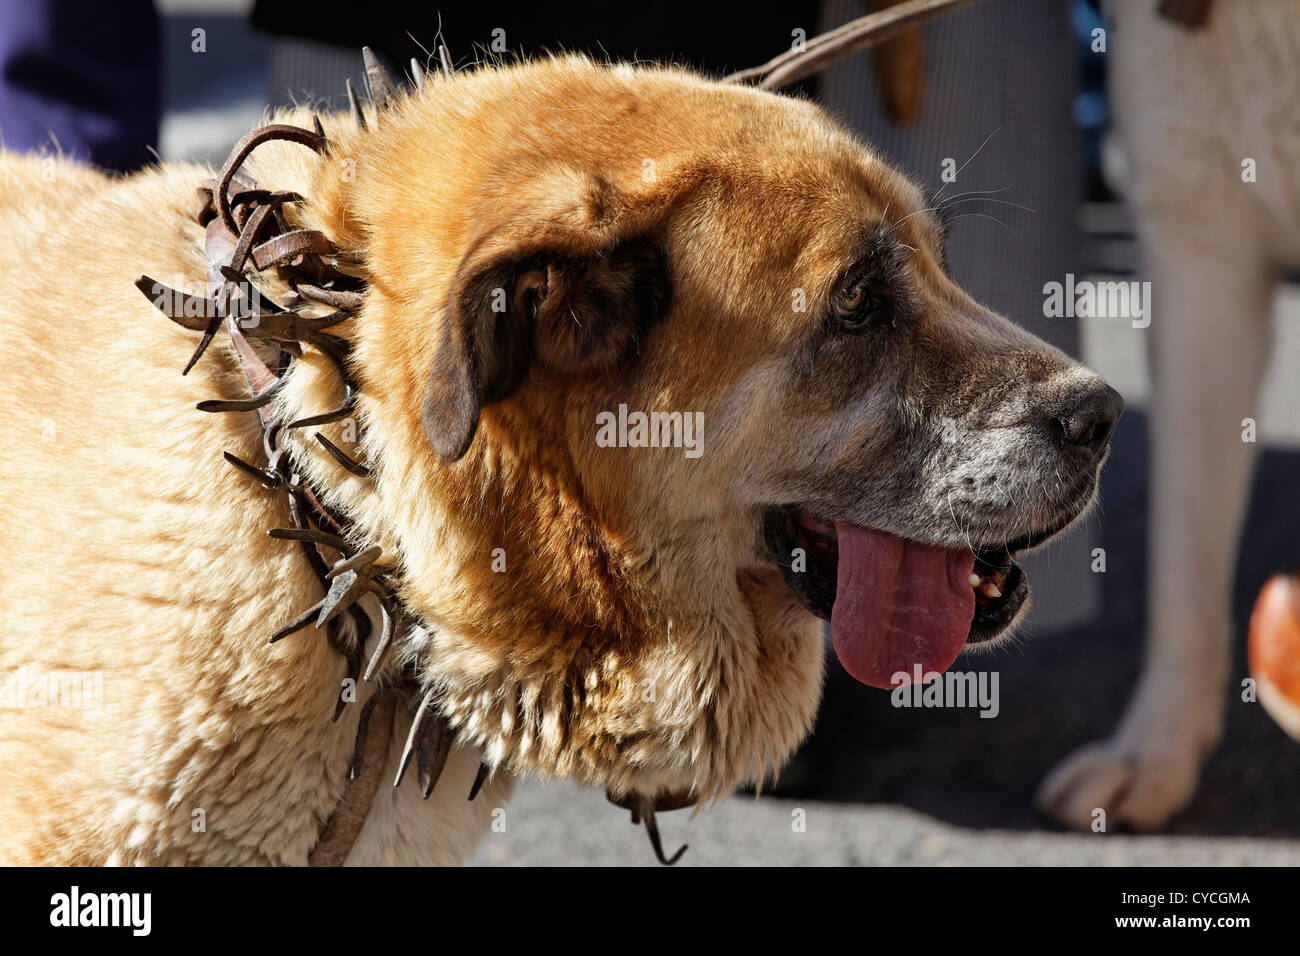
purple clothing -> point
(85, 74)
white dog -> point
(1210, 117)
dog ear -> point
(570, 310)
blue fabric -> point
(84, 74)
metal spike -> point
(417, 73)
(353, 655)
(359, 562)
(320, 323)
(387, 630)
(425, 706)
(248, 233)
(251, 404)
(263, 309)
(297, 624)
(316, 124)
(288, 327)
(344, 591)
(343, 411)
(312, 535)
(342, 457)
(363, 727)
(192, 312)
(339, 298)
(287, 247)
(252, 470)
(446, 60)
(479, 779)
(652, 828)
(355, 104)
(250, 141)
(379, 84)
(431, 755)
(213, 324)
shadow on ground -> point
(1064, 690)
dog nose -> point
(1089, 423)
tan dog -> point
(543, 244)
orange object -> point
(1275, 650)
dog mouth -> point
(895, 604)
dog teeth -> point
(989, 587)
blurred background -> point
(1015, 91)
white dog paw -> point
(1139, 778)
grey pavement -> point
(561, 824)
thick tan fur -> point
(637, 638)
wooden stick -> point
(829, 48)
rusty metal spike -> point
(417, 73)
(312, 535)
(652, 829)
(267, 306)
(431, 754)
(244, 245)
(353, 655)
(359, 562)
(243, 404)
(297, 624)
(175, 304)
(252, 470)
(250, 141)
(363, 728)
(387, 630)
(288, 246)
(322, 322)
(208, 333)
(343, 411)
(355, 104)
(333, 347)
(344, 591)
(278, 327)
(342, 457)
(378, 83)
(339, 298)
(424, 708)
(479, 779)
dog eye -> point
(856, 307)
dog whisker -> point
(968, 161)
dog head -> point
(656, 373)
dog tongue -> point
(899, 604)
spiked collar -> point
(247, 235)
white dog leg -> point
(1210, 342)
